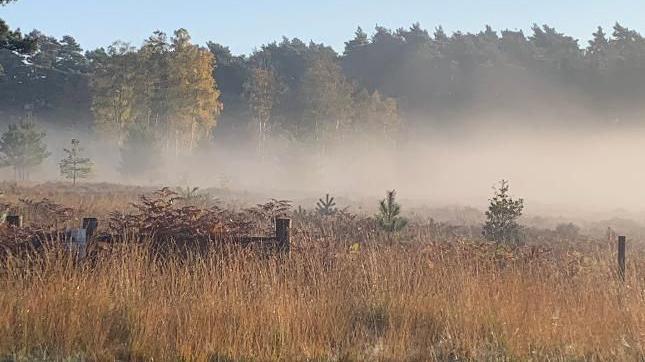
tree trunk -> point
(176, 143)
(192, 136)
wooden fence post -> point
(90, 224)
(621, 257)
(14, 220)
(282, 233)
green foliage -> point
(306, 92)
(360, 40)
(262, 90)
(326, 206)
(328, 102)
(501, 218)
(113, 89)
(167, 85)
(14, 40)
(22, 147)
(44, 76)
(193, 95)
(389, 218)
(74, 166)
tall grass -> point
(375, 304)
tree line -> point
(175, 95)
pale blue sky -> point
(245, 25)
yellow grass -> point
(376, 304)
(428, 298)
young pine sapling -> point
(501, 218)
(327, 206)
(389, 216)
(74, 166)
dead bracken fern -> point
(160, 221)
(47, 222)
(47, 212)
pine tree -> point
(599, 43)
(625, 35)
(326, 206)
(440, 36)
(22, 147)
(70, 56)
(74, 166)
(501, 218)
(415, 36)
(389, 218)
(13, 40)
(360, 40)
(598, 49)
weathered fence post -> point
(90, 224)
(621, 257)
(77, 242)
(282, 231)
(14, 220)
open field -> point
(345, 292)
(281, 181)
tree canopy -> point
(382, 82)
(22, 147)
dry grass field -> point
(344, 292)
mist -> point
(439, 117)
(578, 174)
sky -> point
(246, 25)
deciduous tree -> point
(193, 94)
(262, 91)
(22, 147)
(113, 87)
(328, 100)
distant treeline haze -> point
(175, 95)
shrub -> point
(389, 218)
(501, 218)
(326, 206)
